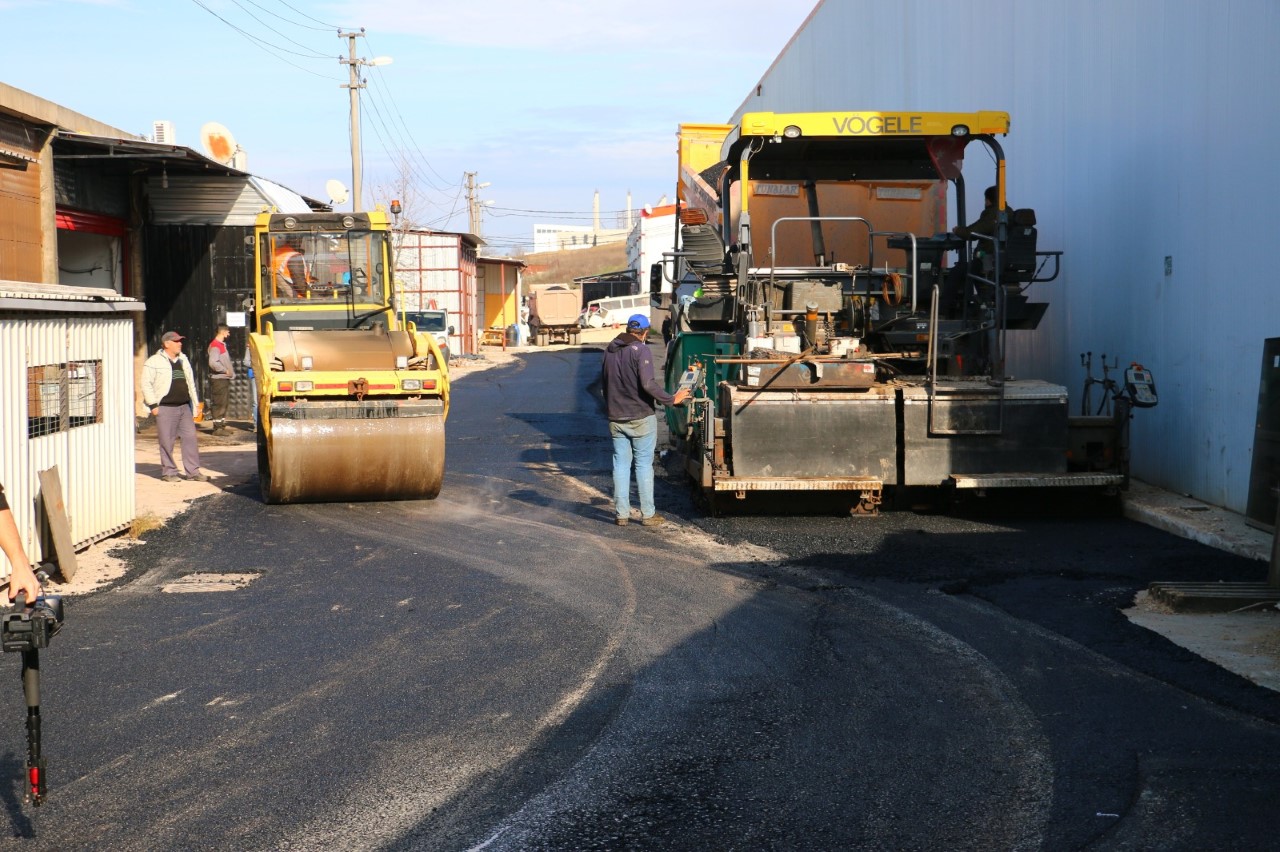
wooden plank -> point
(55, 511)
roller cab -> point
(351, 405)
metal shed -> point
(66, 400)
(437, 270)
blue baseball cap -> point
(637, 322)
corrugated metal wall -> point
(20, 238)
(439, 270)
(1141, 130)
(94, 461)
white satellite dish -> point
(337, 192)
(218, 143)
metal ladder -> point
(944, 395)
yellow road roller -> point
(351, 404)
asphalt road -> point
(502, 668)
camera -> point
(31, 628)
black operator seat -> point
(704, 240)
(1019, 256)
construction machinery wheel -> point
(319, 461)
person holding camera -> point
(21, 577)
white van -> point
(613, 311)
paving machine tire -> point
(341, 460)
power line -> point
(400, 117)
(309, 18)
(286, 20)
(314, 54)
(262, 43)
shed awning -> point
(59, 298)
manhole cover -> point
(209, 583)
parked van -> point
(613, 311)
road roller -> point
(351, 403)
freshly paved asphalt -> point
(503, 668)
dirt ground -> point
(1246, 642)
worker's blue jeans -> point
(633, 445)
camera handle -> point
(31, 691)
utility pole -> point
(474, 207)
(355, 85)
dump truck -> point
(833, 344)
(351, 404)
(553, 315)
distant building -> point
(562, 237)
(569, 237)
(653, 233)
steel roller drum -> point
(318, 461)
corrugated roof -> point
(218, 199)
(26, 296)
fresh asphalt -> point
(502, 668)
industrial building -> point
(1141, 135)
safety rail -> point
(872, 233)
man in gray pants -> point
(169, 392)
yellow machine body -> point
(351, 406)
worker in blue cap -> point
(630, 392)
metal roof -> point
(126, 152)
(123, 156)
(26, 296)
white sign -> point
(236, 319)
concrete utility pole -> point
(474, 206)
(355, 85)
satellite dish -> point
(218, 143)
(337, 192)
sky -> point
(546, 101)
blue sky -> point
(546, 100)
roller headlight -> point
(302, 387)
(411, 385)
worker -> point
(221, 374)
(22, 580)
(290, 269)
(630, 391)
(169, 392)
(985, 224)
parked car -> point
(435, 323)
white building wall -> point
(1141, 129)
(650, 236)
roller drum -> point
(335, 460)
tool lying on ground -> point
(27, 629)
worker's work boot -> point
(622, 522)
(218, 428)
(654, 520)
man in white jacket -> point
(169, 392)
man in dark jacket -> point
(630, 391)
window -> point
(63, 396)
